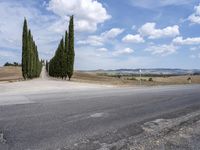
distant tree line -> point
(62, 63)
(31, 65)
(12, 64)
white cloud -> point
(192, 56)
(195, 17)
(195, 48)
(59, 26)
(99, 40)
(87, 59)
(88, 13)
(12, 16)
(46, 29)
(9, 56)
(92, 40)
(133, 38)
(6, 53)
(187, 41)
(112, 33)
(103, 49)
(133, 27)
(123, 52)
(149, 30)
(162, 50)
(158, 3)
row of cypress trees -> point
(31, 65)
(62, 64)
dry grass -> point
(100, 79)
(14, 73)
(178, 79)
(10, 73)
(127, 81)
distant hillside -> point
(156, 71)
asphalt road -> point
(86, 119)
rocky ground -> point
(182, 133)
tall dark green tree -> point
(62, 63)
(31, 65)
(24, 49)
(47, 66)
(29, 55)
(56, 65)
(70, 52)
(65, 58)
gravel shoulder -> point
(46, 84)
(181, 133)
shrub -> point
(150, 79)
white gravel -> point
(43, 84)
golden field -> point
(14, 74)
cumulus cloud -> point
(112, 33)
(195, 17)
(192, 56)
(149, 30)
(195, 48)
(92, 40)
(7, 53)
(133, 38)
(162, 50)
(88, 13)
(99, 40)
(158, 3)
(123, 52)
(11, 23)
(103, 49)
(133, 27)
(46, 28)
(187, 41)
(87, 59)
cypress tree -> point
(47, 66)
(29, 55)
(24, 49)
(31, 65)
(62, 58)
(57, 63)
(62, 63)
(65, 55)
(34, 61)
(70, 53)
(37, 63)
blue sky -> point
(109, 34)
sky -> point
(109, 34)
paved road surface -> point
(66, 119)
(46, 114)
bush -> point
(150, 79)
(11, 64)
(132, 79)
(143, 80)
